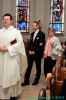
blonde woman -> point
(52, 52)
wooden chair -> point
(58, 81)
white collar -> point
(35, 34)
(37, 31)
(10, 27)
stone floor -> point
(31, 92)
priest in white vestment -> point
(12, 54)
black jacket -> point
(38, 44)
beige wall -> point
(39, 9)
(7, 6)
(1, 3)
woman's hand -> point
(31, 52)
(44, 55)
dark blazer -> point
(38, 44)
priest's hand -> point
(3, 48)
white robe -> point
(10, 61)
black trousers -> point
(48, 65)
(31, 59)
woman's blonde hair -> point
(51, 29)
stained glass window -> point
(22, 15)
(56, 19)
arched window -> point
(56, 19)
(22, 15)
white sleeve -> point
(59, 48)
(11, 51)
(17, 47)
